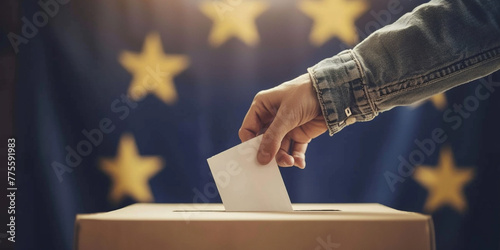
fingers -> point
(255, 120)
(251, 125)
(299, 154)
(299, 141)
(288, 109)
(282, 157)
(246, 134)
(271, 141)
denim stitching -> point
(312, 75)
(363, 83)
(495, 51)
(437, 79)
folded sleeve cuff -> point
(341, 91)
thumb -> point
(271, 140)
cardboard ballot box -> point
(208, 226)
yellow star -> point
(153, 70)
(233, 20)
(333, 18)
(130, 171)
(439, 101)
(445, 183)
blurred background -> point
(122, 101)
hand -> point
(291, 116)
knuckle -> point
(259, 95)
(241, 133)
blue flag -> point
(122, 101)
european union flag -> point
(122, 101)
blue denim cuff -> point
(341, 91)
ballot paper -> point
(244, 184)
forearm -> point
(439, 45)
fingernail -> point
(284, 162)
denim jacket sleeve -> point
(439, 45)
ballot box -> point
(209, 226)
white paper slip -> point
(244, 184)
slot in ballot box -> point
(208, 226)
